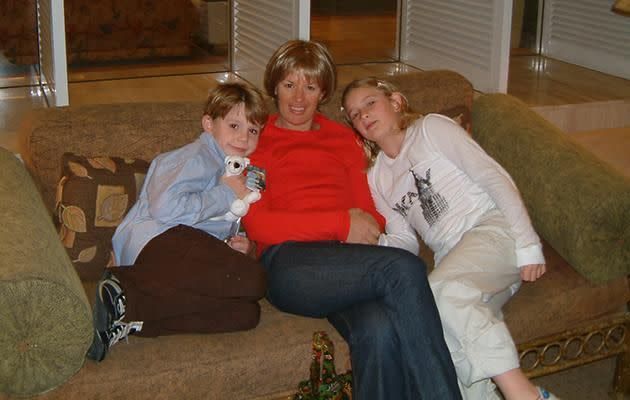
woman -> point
(316, 230)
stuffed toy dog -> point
(236, 165)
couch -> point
(575, 314)
(104, 31)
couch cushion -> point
(267, 362)
(93, 196)
(46, 322)
(562, 298)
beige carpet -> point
(589, 382)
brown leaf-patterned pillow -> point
(93, 196)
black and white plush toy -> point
(236, 165)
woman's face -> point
(298, 98)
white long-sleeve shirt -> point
(181, 187)
(440, 185)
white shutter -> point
(471, 37)
(587, 33)
(259, 27)
(52, 51)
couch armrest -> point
(46, 323)
(577, 202)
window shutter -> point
(471, 37)
(587, 33)
(260, 27)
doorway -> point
(357, 31)
(526, 24)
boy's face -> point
(234, 133)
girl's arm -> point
(452, 141)
(187, 190)
(398, 232)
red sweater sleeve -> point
(313, 179)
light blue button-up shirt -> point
(181, 187)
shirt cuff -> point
(530, 255)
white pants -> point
(471, 284)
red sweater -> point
(313, 179)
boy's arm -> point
(456, 145)
(188, 190)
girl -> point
(429, 177)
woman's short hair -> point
(223, 97)
(307, 57)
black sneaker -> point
(110, 299)
(109, 309)
(103, 340)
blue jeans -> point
(379, 300)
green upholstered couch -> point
(575, 314)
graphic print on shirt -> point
(434, 205)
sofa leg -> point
(621, 382)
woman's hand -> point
(363, 227)
(241, 244)
(531, 272)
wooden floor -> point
(574, 98)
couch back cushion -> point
(133, 130)
(143, 130)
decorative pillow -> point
(93, 196)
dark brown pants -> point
(186, 281)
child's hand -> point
(531, 272)
(241, 244)
(237, 183)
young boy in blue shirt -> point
(182, 266)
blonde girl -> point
(428, 177)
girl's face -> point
(298, 98)
(373, 114)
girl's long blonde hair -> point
(407, 115)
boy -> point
(183, 267)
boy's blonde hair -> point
(223, 97)
(310, 58)
(408, 116)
